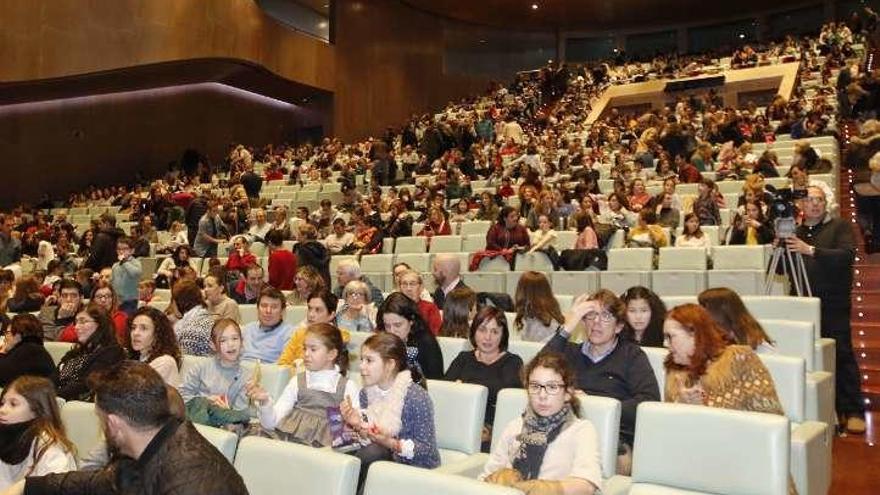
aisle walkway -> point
(855, 456)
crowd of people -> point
(538, 162)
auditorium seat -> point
(269, 467)
(537, 261)
(602, 412)
(420, 262)
(445, 244)
(475, 227)
(57, 350)
(390, 477)
(627, 267)
(575, 283)
(676, 451)
(459, 411)
(223, 440)
(485, 281)
(82, 426)
(473, 242)
(450, 347)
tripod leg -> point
(802, 268)
(792, 273)
(771, 271)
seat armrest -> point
(617, 485)
(811, 457)
(825, 358)
(471, 467)
(819, 397)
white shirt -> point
(323, 381)
(54, 460)
(166, 366)
(451, 286)
(573, 454)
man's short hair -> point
(272, 293)
(351, 267)
(69, 283)
(133, 391)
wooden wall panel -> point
(389, 64)
(56, 38)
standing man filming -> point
(828, 251)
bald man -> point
(446, 271)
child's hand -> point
(350, 415)
(219, 401)
(257, 393)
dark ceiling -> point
(595, 14)
(232, 72)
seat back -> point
(792, 338)
(682, 258)
(450, 347)
(673, 301)
(575, 283)
(248, 313)
(223, 440)
(445, 244)
(787, 308)
(376, 263)
(656, 356)
(678, 282)
(789, 378)
(420, 262)
(391, 477)
(677, 446)
(459, 412)
(57, 350)
(354, 349)
(274, 377)
(603, 412)
(473, 242)
(411, 245)
(82, 426)
(476, 227)
(630, 259)
(524, 349)
(739, 258)
(485, 281)
(269, 466)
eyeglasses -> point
(604, 316)
(816, 200)
(84, 321)
(355, 294)
(410, 284)
(552, 388)
(103, 296)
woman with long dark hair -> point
(400, 315)
(645, 313)
(96, 350)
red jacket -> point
(120, 324)
(689, 175)
(282, 269)
(431, 315)
(240, 263)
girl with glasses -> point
(549, 449)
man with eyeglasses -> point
(828, 250)
(606, 364)
(58, 313)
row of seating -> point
(797, 448)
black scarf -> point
(537, 433)
(16, 440)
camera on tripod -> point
(781, 210)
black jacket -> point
(103, 253)
(830, 271)
(625, 375)
(177, 461)
(440, 298)
(29, 357)
(75, 386)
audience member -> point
(152, 340)
(265, 338)
(537, 311)
(400, 316)
(458, 312)
(22, 352)
(193, 329)
(96, 349)
(645, 312)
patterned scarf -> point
(537, 433)
(412, 359)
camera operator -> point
(828, 250)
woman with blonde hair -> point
(306, 281)
(537, 311)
